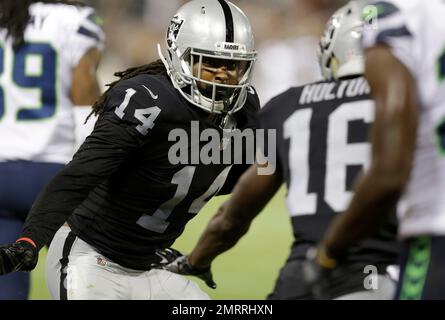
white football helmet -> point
(210, 30)
(340, 52)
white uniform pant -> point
(75, 271)
(386, 291)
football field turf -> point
(248, 271)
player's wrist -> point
(27, 240)
(195, 264)
(325, 257)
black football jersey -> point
(322, 146)
(126, 196)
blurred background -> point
(287, 33)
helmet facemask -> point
(223, 95)
(231, 76)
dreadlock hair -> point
(156, 67)
(14, 16)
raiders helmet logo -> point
(231, 47)
(173, 30)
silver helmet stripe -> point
(230, 34)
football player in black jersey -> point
(322, 146)
(122, 195)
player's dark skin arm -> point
(233, 219)
(393, 144)
(85, 88)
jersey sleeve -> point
(84, 33)
(117, 136)
(395, 24)
(131, 106)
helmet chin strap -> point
(197, 98)
(224, 120)
(228, 121)
(226, 102)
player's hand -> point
(19, 256)
(317, 270)
(174, 261)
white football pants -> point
(75, 271)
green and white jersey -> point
(36, 116)
(415, 32)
